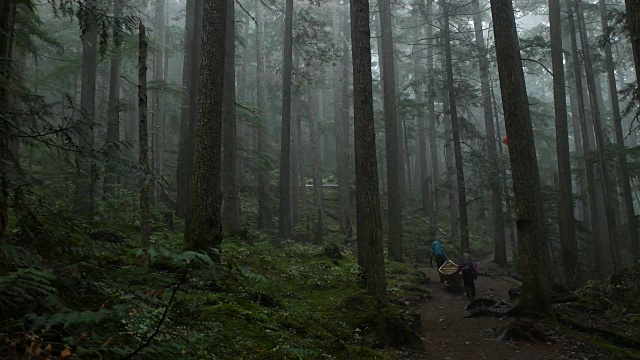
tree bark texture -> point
(204, 226)
(623, 168)
(143, 140)
(285, 139)
(505, 186)
(85, 186)
(568, 241)
(7, 22)
(188, 115)
(158, 108)
(342, 166)
(425, 188)
(431, 96)
(524, 165)
(264, 216)
(595, 115)
(500, 249)
(113, 111)
(368, 201)
(587, 143)
(316, 165)
(231, 192)
(455, 132)
(394, 162)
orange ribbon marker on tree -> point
(505, 141)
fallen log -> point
(564, 298)
(556, 298)
(609, 335)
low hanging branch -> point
(162, 319)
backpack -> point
(467, 268)
(437, 249)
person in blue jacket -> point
(437, 251)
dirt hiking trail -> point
(449, 336)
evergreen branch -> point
(539, 63)
(247, 12)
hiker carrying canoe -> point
(437, 251)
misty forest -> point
(272, 179)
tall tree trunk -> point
(264, 216)
(158, 94)
(346, 113)
(342, 166)
(285, 139)
(113, 111)
(296, 150)
(431, 95)
(7, 22)
(346, 79)
(231, 192)
(503, 176)
(316, 165)
(524, 165)
(425, 189)
(500, 256)
(582, 206)
(188, 116)
(368, 201)
(449, 160)
(568, 241)
(86, 166)
(623, 178)
(595, 114)
(143, 140)
(455, 132)
(131, 125)
(394, 162)
(587, 143)
(203, 230)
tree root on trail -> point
(521, 330)
(608, 335)
(556, 298)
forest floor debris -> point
(449, 335)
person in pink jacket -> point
(469, 275)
